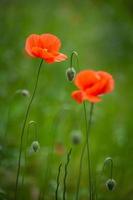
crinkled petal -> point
(78, 96)
(37, 52)
(60, 57)
(42, 53)
(86, 79)
(93, 99)
(97, 88)
(32, 41)
(109, 85)
(50, 42)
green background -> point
(102, 34)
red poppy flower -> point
(91, 85)
(45, 46)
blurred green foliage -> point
(102, 34)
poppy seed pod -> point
(111, 184)
(70, 73)
(35, 146)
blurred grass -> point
(101, 32)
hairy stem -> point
(66, 172)
(23, 129)
(58, 182)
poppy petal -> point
(37, 52)
(32, 41)
(109, 86)
(60, 57)
(85, 79)
(78, 96)
(50, 42)
(93, 99)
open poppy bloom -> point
(45, 46)
(91, 85)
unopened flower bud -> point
(35, 146)
(111, 184)
(25, 93)
(76, 137)
(70, 73)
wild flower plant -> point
(46, 47)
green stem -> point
(71, 59)
(58, 182)
(111, 171)
(65, 176)
(26, 145)
(25, 155)
(88, 126)
(23, 129)
(109, 159)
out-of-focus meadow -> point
(102, 34)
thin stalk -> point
(25, 157)
(88, 126)
(26, 145)
(107, 160)
(71, 59)
(58, 182)
(66, 172)
(23, 129)
(111, 170)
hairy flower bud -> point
(70, 73)
(76, 137)
(23, 92)
(111, 184)
(35, 146)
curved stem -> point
(35, 126)
(58, 182)
(71, 59)
(65, 176)
(23, 129)
(109, 159)
(111, 171)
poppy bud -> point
(25, 93)
(76, 137)
(111, 184)
(35, 146)
(70, 73)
